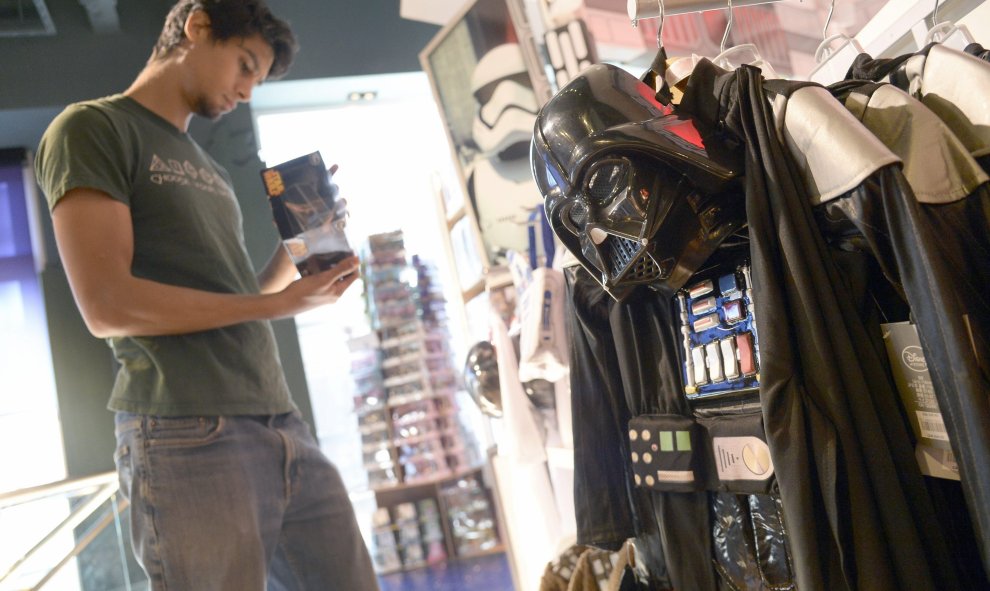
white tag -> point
(914, 383)
(932, 426)
(940, 463)
(675, 475)
(742, 458)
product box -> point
(309, 216)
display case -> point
(428, 522)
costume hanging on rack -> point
(906, 220)
(632, 189)
(953, 84)
(951, 301)
(855, 503)
(858, 512)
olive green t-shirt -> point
(187, 230)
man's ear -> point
(197, 27)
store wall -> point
(40, 75)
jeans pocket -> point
(125, 468)
(182, 431)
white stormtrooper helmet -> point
(507, 105)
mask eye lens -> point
(606, 179)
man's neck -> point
(157, 90)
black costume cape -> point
(946, 278)
(855, 504)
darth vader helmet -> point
(481, 378)
(636, 191)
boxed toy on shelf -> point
(384, 551)
(415, 372)
(431, 531)
(378, 451)
(471, 516)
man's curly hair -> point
(232, 19)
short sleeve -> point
(82, 148)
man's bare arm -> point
(96, 244)
(278, 273)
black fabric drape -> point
(854, 501)
(608, 508)
(975, 49)
(604, 501)
(911, 255)
(936, 255)
(866, 67)
(646, 347)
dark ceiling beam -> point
(103, 15)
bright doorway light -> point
(391, 150)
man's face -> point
(225, 73)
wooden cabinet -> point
(427, 522)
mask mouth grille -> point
(622, 252)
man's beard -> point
(204, 109)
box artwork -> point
(309, 216)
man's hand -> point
(322, 288)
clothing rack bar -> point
(642, 9)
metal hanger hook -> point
(728, 27)
(828, 19)
(935, 15)
(660, 27)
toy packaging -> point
(308, 214)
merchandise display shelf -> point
(459, 500)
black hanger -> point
(654, 76)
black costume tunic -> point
(855, 504)
(948, 275)
(624, 362)
(856, 507)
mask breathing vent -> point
(620, 253)
(645, 270)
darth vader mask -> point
(637, 192)
(481, 378)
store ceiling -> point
(789, 31)
(28, 18)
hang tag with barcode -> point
(914, 384)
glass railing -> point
(68, 536)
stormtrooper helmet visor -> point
(630, 187)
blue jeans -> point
(237, 503)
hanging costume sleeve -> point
(930, 231)
(608, 508)
(854, 501)
(603, 499)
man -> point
(228, 488)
